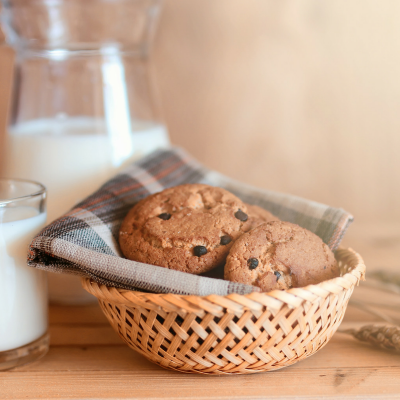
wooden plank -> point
(83, 335)
(341, 351)
(344, 367)
(86, 314)
(343, 382)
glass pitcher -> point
(84, 104)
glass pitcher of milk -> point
(83, 99)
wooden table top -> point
(88, 360)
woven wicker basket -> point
(234, 334)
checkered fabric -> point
(85, 240)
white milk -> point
(23, 290)
(73, 157)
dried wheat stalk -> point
(387, 337)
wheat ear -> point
(387, 337)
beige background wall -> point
(295, 96)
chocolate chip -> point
(325, 267)
(199, 251)
(241, 216)
(277, 274)
(252, 263)
(225, 240)
(165, 216)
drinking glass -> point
(23, 290)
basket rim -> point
(273, 299)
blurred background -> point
(300, 97)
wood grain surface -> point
(88, 360)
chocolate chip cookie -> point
(280, 255)
(189, 228)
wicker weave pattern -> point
(232, 334)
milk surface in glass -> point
(23, 290)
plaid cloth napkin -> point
(85, 240)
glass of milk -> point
(23, 290)
(84, 104)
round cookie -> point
(188, 228)
(280, 255)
